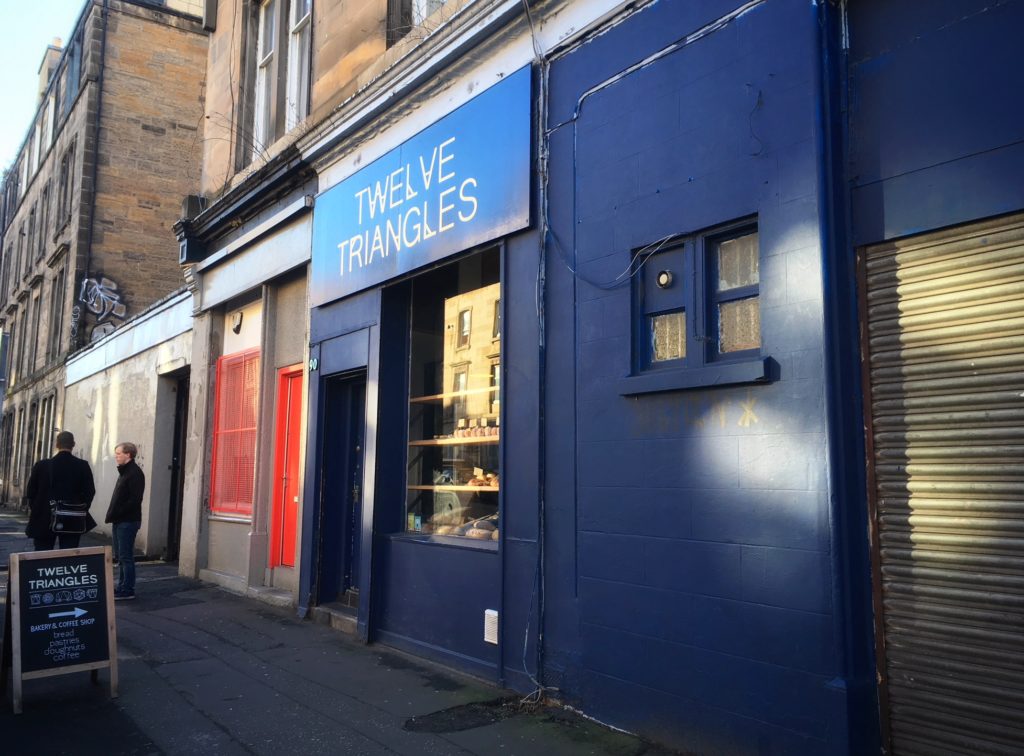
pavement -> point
(204, 671)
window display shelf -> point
(452, 395)
(463, 441)
(473, 489)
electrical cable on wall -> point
(680, 44)
(642, 255)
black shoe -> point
(121, 596)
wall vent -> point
(491, 626)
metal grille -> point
(234, 436)
(945, 333)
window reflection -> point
(453, 468)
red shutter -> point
(234, 433)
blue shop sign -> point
(458, 183)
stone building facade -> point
(88, 204)
(281, 68)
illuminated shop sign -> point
(461, 182)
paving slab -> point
(205, 671)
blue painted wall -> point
(936, 120)
(691, 581)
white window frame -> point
(423, 9)
(37, 138)
(262, 107)
(51, 114)
(299, 44)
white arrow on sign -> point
(76, 613)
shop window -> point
(697, 314)
(234, 434)
(453, 466)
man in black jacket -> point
(125, 514)
(63, 477)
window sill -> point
(217, 517)
(457, 542)
(681, 379)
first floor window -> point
(262, 130)
(423, 9)
(234, 434)
(453, 473)
(404, 15)
(697, 300)
(297, 92)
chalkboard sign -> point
(60, 614)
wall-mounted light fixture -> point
(664, 279)
(236, 322)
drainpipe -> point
(852, 685)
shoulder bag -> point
(66, 516)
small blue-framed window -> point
(733, 292)
(697, 311)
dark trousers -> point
(66, 541)
(124, 550)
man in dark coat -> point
(64, 477)
(125, 514)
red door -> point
(284, 524)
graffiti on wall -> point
(100, 296)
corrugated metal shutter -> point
(945, 348)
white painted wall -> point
(118, 390)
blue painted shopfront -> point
(689, 536)
(444, 199)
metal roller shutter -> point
(945, 379)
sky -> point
(25, 31)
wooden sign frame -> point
(13, 646)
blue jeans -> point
(124, 553)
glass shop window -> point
(453, 467)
